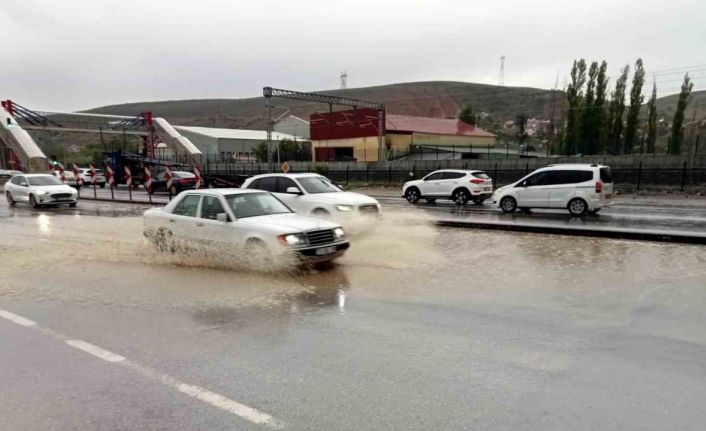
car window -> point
(606, 175)
(284, 183)
(538, 179)
(210, 207)
(188, 206)
(317, 184)
(268, 183)
(254, 184)
(17, 180)
(255, 204)
(481, 175)
(44, 180)
(434, 176)
(452, 175)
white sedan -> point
(250, 220)
(39, 190)
(314, 194)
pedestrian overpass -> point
(18, 150)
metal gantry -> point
(330, 100)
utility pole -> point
(344, 80)
(501, 78)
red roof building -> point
(353, 135)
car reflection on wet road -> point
(417, 327)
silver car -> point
(39, 190)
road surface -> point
(416, 328)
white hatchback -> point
(39, 190)
(316, 195)
(579, 188)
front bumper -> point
(50, 200)
(308, 253)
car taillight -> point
(599, 186)
(184, 180)
(477, 181)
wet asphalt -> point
(417, 327)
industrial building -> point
(353, 135)
(231, 144)
(293, 125)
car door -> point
(533, 192)
(292, 200)
(20, 188)
(430, 185)
(562, 185)
(449, 182)
(211, 230)
(183, 220)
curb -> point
(632, 234)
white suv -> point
(457, 185)
(580, 188)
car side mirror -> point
(222, 217)
(294, 191)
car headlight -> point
(292, 239)
(345, 207)
(41, 192)
(339, 233)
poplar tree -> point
(652, 121)
(616, 110)
(588, 111)
(599, 119)
(574, 94)
(677, 137)
(636, 99)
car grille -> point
(58, 196)
(318, 237)
(368, 209)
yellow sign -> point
(285, 167)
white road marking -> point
(14, 318)
(234, 407)
(95, 351)
(204, 395)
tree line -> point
(598, 124)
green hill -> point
(442, 99)
(668, 104)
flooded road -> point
(416, 328)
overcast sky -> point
(78, 54)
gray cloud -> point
(81, 53)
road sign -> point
(128, 177)
(148, 179)
(109, 174)
(285, 167)
(79, 180)
(168, 177)
(92, 173)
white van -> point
(580, 188)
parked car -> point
(252, 219)
(181, 180)
(39, 190)
(314, 194)
(457, 185)
(6, 174)
(579, 188)
(101, 180)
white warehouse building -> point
(231, 144)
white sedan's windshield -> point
(44, 180)
(318, 185)
(255, 204)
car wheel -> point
(412, 195)
(10, 200)
(258, 255)
(431, 201)
(320, 212)
(508, 204)
(461, 196)
(163, 239)
(174, 191)
(577, 207)
(33, 201)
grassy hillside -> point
(668, 104)
(442, 99)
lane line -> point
(95, 351)
(204, 395)
(17, 319)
